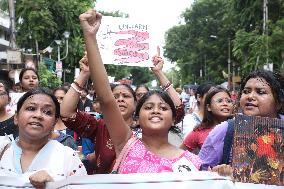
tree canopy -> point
(41, 22)
(47, 78)
(215, 30)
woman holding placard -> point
(262, 94)
(88, 126)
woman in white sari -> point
(33, 156)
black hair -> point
(6, 86)
(4, 76)
(113, 86)
(66, 85)
(24, 70)
(40, 90)
(208, 118)
(193, 88)
(142, 85)
(60, 89)
(164, 95)
(86, 90)
(273, 79)
(202, 90)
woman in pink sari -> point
(155, 111)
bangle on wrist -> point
(74, 86)
(166, 86)
(78, 85)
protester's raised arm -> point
(162, 78)
(69, 104)
(118, 130)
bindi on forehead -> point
(121, 87)
(121, 90)
(122, 93)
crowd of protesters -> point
(52, 134)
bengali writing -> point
(124, 41)
(132, 49)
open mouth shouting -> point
(225, 110)
(155, 119)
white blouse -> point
(58, 160)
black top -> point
(8, 127)
(85, 107)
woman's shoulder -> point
(219, 131)
(189, 154)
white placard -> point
(124, 41)
(12, 106)
(14, 57)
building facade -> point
(4, 36)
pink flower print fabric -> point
(141, 160)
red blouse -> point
(86, 125)
(179, 113)
(195, 139)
